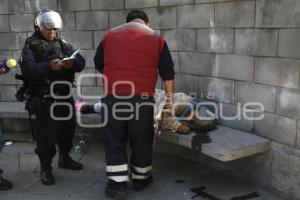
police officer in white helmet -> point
(41, 68)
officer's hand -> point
(67, 64)
(55, 65)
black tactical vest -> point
(45, 51)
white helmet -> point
(48, 19)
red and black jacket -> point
(133, 52)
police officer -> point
(49, 100)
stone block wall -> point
(238, 50)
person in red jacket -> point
(130, 57)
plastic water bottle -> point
(77, 149)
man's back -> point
(131, 53)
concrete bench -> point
(227, 144)
(13, 110)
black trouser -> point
(50, 131)
(138, 129)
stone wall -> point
(239, 50)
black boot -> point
(66, 162)
(115, 190)
(5, 184)
(47, 177)
(139, 185)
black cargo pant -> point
(50, 131)
(128, 120)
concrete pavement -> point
(173, 177)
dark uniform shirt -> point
(35, 63)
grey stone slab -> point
(4, 23)
(117, 17)
(89, 58)
(187, 141)
(66, 183)
(255, 93)
(92, 20)
(18, 137)
(10, 162)
(74, 5)
(21, 22)
(5, 54)
(261, 42)
(94, 161)
(96, 92)
(237, 67)
(233, 116)
(162, 17)
(277, 72)
(287, 103)
(140, 3)
(196, 63)
(33, 6)
(99, 79)
(298, 135)
(227, 144)
(15, 122)
(175, 2)
(215, 40)
(12, 109)
(7, 92)
(211, 1)
(217, 89)
(15, 40)
(79, 39)
(159, 83)
(11, 6)
(180, 39)
(235, 14)
(17, 55)
(68, 19)
(269, 13)
(195, 16)
(275, 127)
(176, 62)
(89, 77)
(29, 162)
(288, 44)
(285, 170)
(20, 181)
(98, 36)
(107, 5)
(186, 83)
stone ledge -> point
(13, 110)
(227, 144)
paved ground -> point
(174, 178)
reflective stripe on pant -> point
(138, 131)
(117, 173)
(140, 173)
